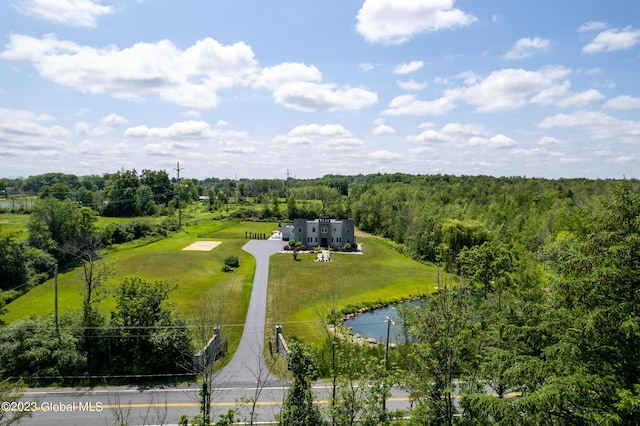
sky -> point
(304, 88)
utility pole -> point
(55, 298)
(179, 203)
(386, 348)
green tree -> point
(145, 204)
(30, 348)
(445, 349)
(54, 224)
(298, 408)
(488, 266)
(456, 235)
(154, 338)
(159, 183)
(14, 269)
(292, 208)
(122, 194)
(596, 282)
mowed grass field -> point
(302, 293)
(299, 295)
(14, 224)
(197, 275)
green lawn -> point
(302, 292)
(14, 223)
(197, 274)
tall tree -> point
(444, 350)
(298, 407)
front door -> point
(323, 242)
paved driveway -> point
(248, 362)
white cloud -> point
(181, 130)
(411, 85)
(408, 67)
(297, 86)
(23, 131)
(597, 125)
(106, 126)
(552, 94)
(289, 72)
(384, 155)
(409, 105)
(170, 148)
(308, 96)
(593, 26)
(320, 135)
(581, 98)
(561, 96)
(237, 149)
(396, 21)
(113, 120)
(526, 47)
(383, 129)
(511, 88)
(80, 13)
(613, 39)
(623, 102)
(549, 140)
(190, 78)
(367, 66)
(192, 113)
(463, 135)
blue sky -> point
(251, 89)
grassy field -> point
(197, 274)
(301, 293)
(14, 223)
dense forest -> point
(539, 300)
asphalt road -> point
(248, 364)
(138, 406)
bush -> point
(227, 268)
(286, 247)
(232, 262)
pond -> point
(373, 324)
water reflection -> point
(373, 324)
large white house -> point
(322, 232)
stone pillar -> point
(278, 333)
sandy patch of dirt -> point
(202, 246)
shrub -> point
(227, 268)
(232, 262)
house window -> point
(300, 230)
(325, 230)
(313, 229)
